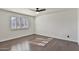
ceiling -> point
(29, 11)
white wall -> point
(58, 25)
(6, 33)
(78, 24)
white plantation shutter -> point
(13, 22)
(24, 22)
(19, 22)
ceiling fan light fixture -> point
(37, 12)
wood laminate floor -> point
(53, 45)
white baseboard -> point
(59, 38)
(38, 34)
(14, 38)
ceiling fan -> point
(37, 10)
(40, 10)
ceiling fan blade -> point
(42, 9)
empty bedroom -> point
(39, 29)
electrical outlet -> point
(68, 36)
